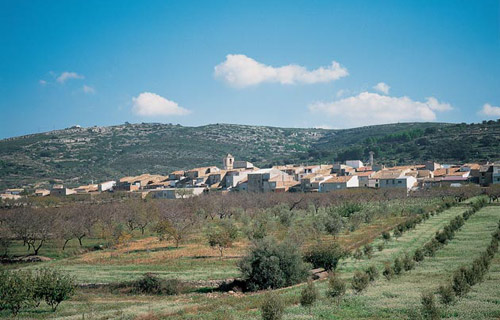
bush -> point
(325, 256)
(368, 251)
(15, 291)
(270, 265)
(388, 271)
(447, 294)
(336, 287)
(54, 287)
(380, 246)
(171, 287)
(398, 266)
(459, 282)
(372, 273)
(28, 288)
(408, 263)
(386, 236)
(308, 295)
(429, 307)
(418, 255)
(431, 247)
(151, 284)
(360, 281)
(333, 223)
(397, 233)
(273, 306)
(148, 284)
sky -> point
(325, 64)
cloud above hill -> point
(150, 104)
(241, 71)
(490, 111)
(369, 108)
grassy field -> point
(397, 299)
(192, 261)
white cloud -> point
(63, 77)
(241, 71)
(340, 93)
(151, 104)
(42, 82)
(372, 108)
(434, 104)
(88, 89)
(382, 87)
(490, 111)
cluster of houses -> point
(244, 176)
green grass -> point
(395, 299)
(408, 242)
(188, 269)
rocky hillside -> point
(80, 155)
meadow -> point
(201, 267)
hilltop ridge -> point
(79, 155)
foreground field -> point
(397, 299)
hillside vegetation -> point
(80, 155)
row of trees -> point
(27, 289)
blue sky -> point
(333, 64)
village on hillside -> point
(239, 175)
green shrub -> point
(151, 284)
(388, 271)
(429, 306)
(15, 291)
(447, 294)
(28, 288)
(336, 287)
(386, 236)
(368, 251)
(308, 295)
(171, 287)
(148, 284)
(380, 246)
(325, 256)
(397, 233)
(398, 266)
(56, 287)
(333, 223)
(408, 263)
(272, 307)
(418, 255)
(360, 281)
(372, 273)
(271, 265)
(459, 282)
(431, 247)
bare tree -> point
(176, 219)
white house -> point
(339, 183)
(394, 179)
(354, 163)
(105, 186)
(496, 174)
(176, 193)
